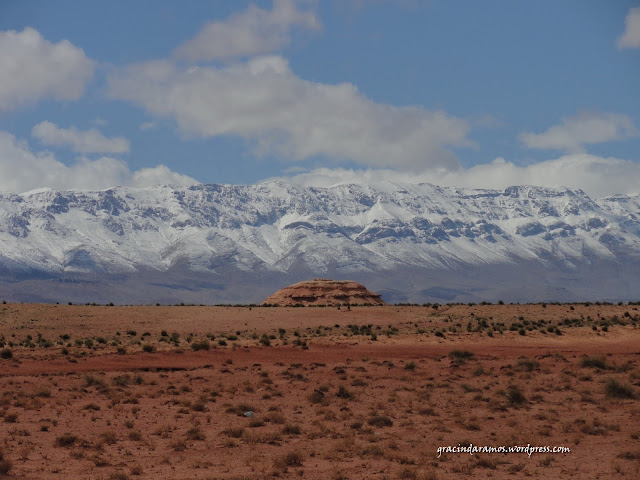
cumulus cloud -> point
(264, 101)
(33, 68)
(88, 141)
(631, 36)
(581, 129)
(22, 169)
(597, 176)
(252, 32)
(260, 99)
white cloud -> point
(583, 128)
(631, 36)
(597, 176)
(254, 31)
(264, 101)
(22, 170)
(33, 68)
(88, 141)
(158, 175)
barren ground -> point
(95, 392)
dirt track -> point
(628, 346)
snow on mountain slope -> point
(395, 234)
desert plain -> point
(249, 392)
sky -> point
(319, 92)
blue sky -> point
(467, 93)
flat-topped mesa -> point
(322, 291)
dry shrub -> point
(66, 440)
(294, 458)
(5, 464)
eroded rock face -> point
(321, 291)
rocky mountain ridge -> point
(225, 243)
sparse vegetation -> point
(340, 410)
(528, 364)
(292, 459)
(201, 345)
(515, 395)
(66, 440)
(234, 432)
(240, 409)
(616, 389)
(344, 393)
(594, 362)
(316, 396)
(291, 430)
(380, 421)
(461, 354)
(196, 434)
(5, 464)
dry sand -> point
(365, 392)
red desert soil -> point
(321, 291)
(95, 392)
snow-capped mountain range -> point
(231, 244)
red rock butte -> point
(321, 291)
